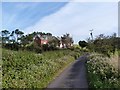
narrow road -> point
(72, 77)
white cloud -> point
(78, 18)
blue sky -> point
(21, 15)
(59, 18)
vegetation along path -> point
(72, 77)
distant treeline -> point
(102, 44)
(16, 40)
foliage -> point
(32, 41)
(67, 40)
(5, 36)
(45, 47)
(30, 47)
(53, 42)
(104, 44)
(101, 73)
(23, 69)
(19, 34)
(14, 46)
(82, 43)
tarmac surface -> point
(74, 76)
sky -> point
(58, 18)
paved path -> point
(72, 77)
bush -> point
(38, 50)
(23, 69)
(72, 48)
(30, 47)
(83, 44)
(45, 47)
(102, 73)
(14, 46)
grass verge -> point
(103, 72)
(29, 70)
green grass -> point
(23, 69)
(102, 73)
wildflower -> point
(94, 72)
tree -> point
(12, 37)
(83, 44)
(53, 41)
(49, 34)
(18, 34)
(5, 36)
(67, 40)
(104, 44)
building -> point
(41, 39)
(65, 42)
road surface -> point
(72, 77)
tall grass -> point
(103, 71)
(114, 60)
(31, 70)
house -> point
(63, 42)
(41, 39)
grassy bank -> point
(103, 71)
(31, 70)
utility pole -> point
(91, 34)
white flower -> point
(94, 72)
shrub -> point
(30, 47)
(101, 73)
(23, 69)
(83, 44)
(13, 46)
(38, 50)
(45, 47)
